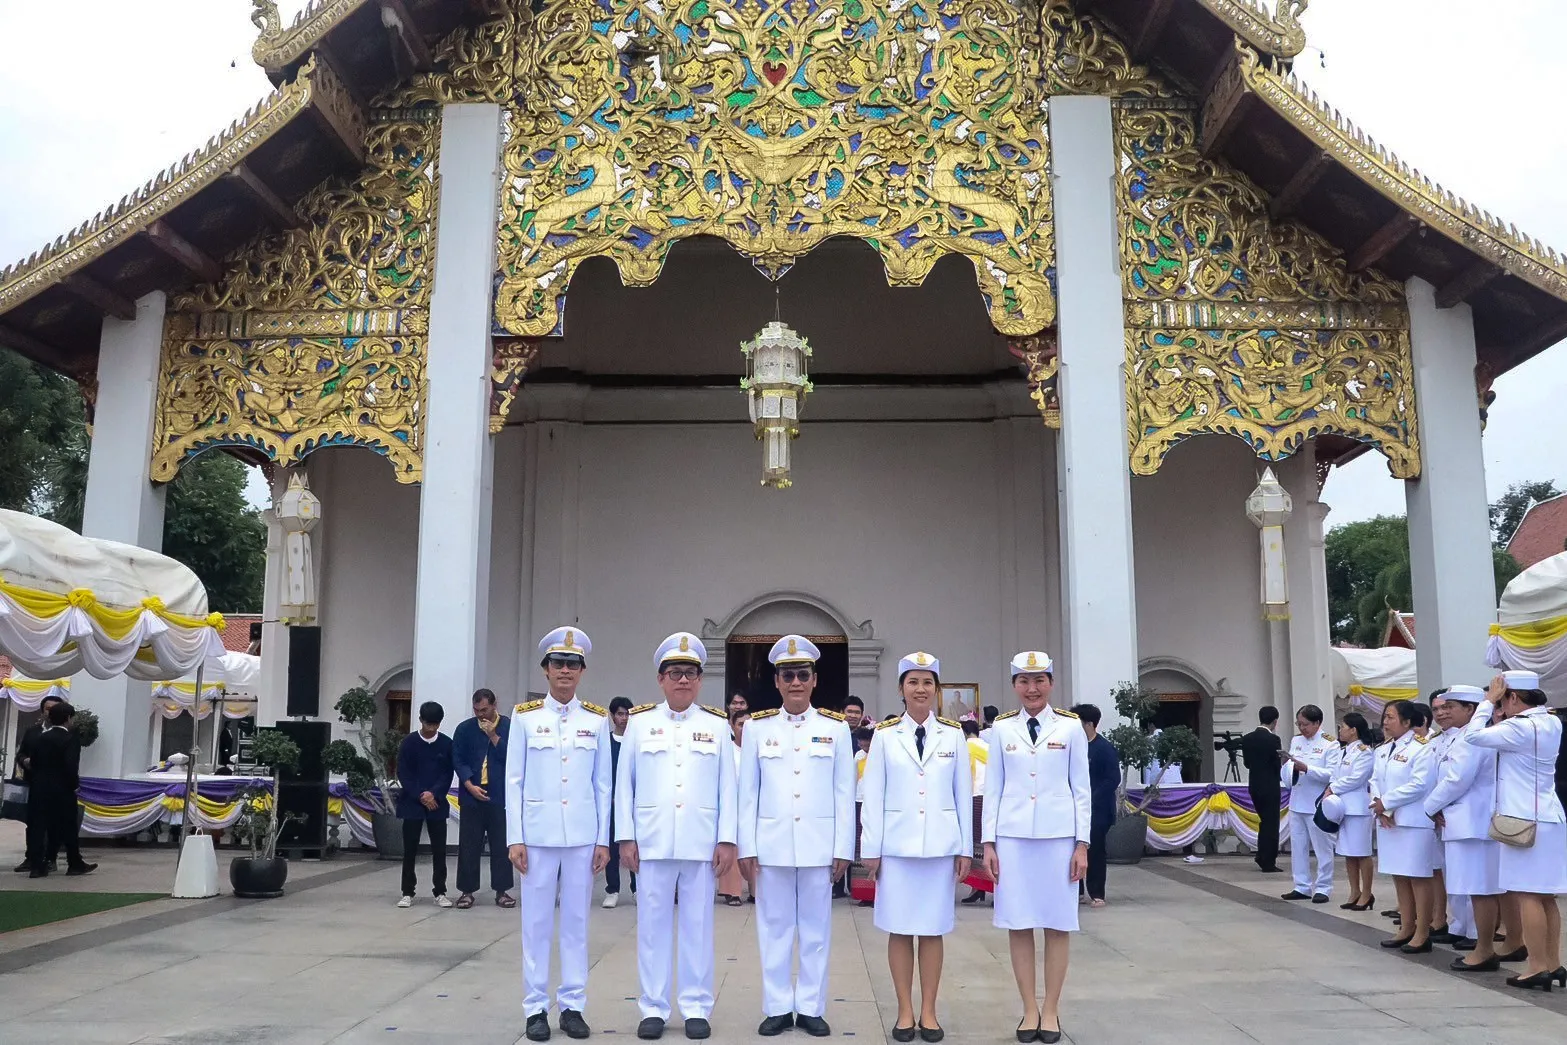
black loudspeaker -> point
(312, 738)
(304, 670)
(307, 801)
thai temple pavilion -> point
(1072, 307)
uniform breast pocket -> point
(821, 750)
(586, 743)
(542, 740)
(770, 751)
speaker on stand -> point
(303, 791)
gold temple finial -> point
(264, 16)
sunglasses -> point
(681, 674)
(565, 662)
(795, 674)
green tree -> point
(1358, 555)
(38, 410)
(1510, 508)
(209, 526)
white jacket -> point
(917, 807)
(675, 796)
(1404, 778)
(1351, 779)
(1321, 755)
(1526, 764)
(558, 774)
(1037, 789)
(796, 789)
(1465, 791)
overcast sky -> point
(102, 93)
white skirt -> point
(1404, 851)
(1473, 867)
(1541, 868)
(1438, 854)
(915, 895)
(1035, 890)
(1354, 836)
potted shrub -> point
(261, 875)
(364, 763)
(1137, 705)
(84, 724)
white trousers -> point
(566, 872)
(1307, 839)
(790, 901)
(1460, 916)
(656, 910)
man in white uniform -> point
(558, 779)
(675, 814)
(1307, 771)
(797, 834)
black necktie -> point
(1033, 731)
(919, 740)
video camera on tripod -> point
(1230, 743)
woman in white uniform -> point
(917, 838)
(1526, 737)
(1351, 781)
(1035, 824)
(1398, 789)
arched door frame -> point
(864, 651)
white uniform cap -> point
(1521, 679)
(681, 646)
(919, 662)
(1333, 808)
(794, 649)
(569, 641)
(1032, 662)
(1464, 694)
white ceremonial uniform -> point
(918, 815)
(558, 779)
(1351, 781)
(796, 818)
(1402, 781)
(1465, 795)
(1321, 755)
(1439, 743)
(1526, 747)
(675, 798)
(1038, 806)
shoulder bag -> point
(1518, 831)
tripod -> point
(1233, 770)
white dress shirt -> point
(1404, 779)
(1526, 764)
(796, 789)
(917, 807)
(558, 774)
(1037, 788)
(1351, 779)
(1465, 791)
(676, 793)
(1321, 755)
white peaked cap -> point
(681, 646)
(1521, 679)
(1032, 662)
(794, 649)
(919, 662)
(571, 641)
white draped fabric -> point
(232, 681)
(1531, 626)
(1367, 680)
(29, 694)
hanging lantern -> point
(1268, 507)
(776, 382)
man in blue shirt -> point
(1104, 778)
(479, 756)
(424, 769)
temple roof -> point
(1233, 55)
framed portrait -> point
(958, 699)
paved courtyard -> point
(1192, 954)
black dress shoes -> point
(1489, 965)
(650, 1029)
(935, 1034)
(1295, 894)
(1440, 934)
(1424, 948)
(573, 1025)
(1320, 898)
(902, 1033)
(698, 1028)
(1465, 943)
(1049, 1037)
(538, 1027)
(1271, 870)
(775, 1025)
(1395, 942)
(1520, 955)
(815, 1026)
(80, 869)
(1028, 1034)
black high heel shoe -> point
(1560, 976)
(1542, 980)
(1369, 905)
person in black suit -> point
(24, 760)
(54, 775)
(1262, 751)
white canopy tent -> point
(1367, 680)
(233, 682)
(1530, 632)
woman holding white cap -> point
(1529, 821)
(1351, 782)
(1398, 789)
(917, 838)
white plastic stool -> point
(197, 876)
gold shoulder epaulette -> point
(837, 715)
(532, 705)
(1064, 714)
(769, 713)
(595, 708)
(948, 722)
(1007, 714)
(714, 711)
(1422, 740)
(641, 708)
(884, 723)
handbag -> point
(1518, 831)
(14, 804)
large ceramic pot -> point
(258, 879)
(388, 830)
(1126, 838)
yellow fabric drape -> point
(1534, 634)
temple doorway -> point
(746, 670)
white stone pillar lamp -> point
(298, 512)
(1267, 507)
(776, 383)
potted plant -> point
(84, 724)
(1137, 705)
(262, 874)
(364, 765)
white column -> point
(123, 505)
(1310, 677)
(452, 597)
(1449, 528)
(1098, 600)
